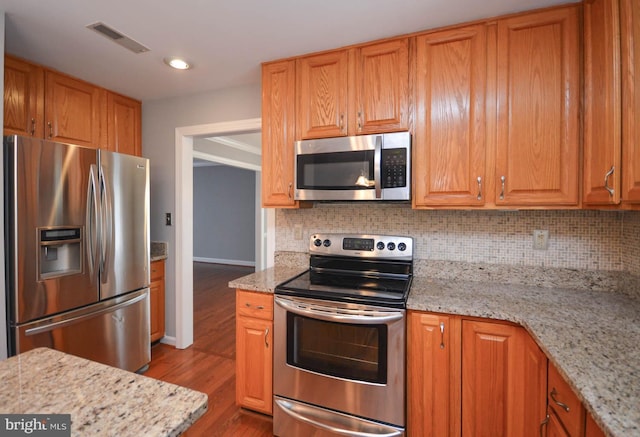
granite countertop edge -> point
(102, 400)
(590, 336)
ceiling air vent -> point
(118, 38)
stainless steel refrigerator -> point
(77, 251)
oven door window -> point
(336, 171)
(343, 350)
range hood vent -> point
(118, 38)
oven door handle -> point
(334, 422)
(344, 316)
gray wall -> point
(160, 118)
(224, 215)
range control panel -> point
(365, 246)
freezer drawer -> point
(113, 332)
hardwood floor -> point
(209, 364)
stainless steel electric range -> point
(339, 330)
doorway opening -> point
(185, 139)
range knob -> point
(326, 243)
(402, 247)
(317, 242)
(391, 246)
(380, 245)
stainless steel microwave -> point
(364, 167)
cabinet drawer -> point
(157, 270)
(253, 304)
(571, 412)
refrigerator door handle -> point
(92, 225)
(107, 226)
(106, 308)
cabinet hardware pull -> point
(33, 126)
(502, 181)
(543, 425)
(289, 190)
(359, 120)
(606, 181)
(562, 405)
(341, 122)
(441, 335)
(266, 337)
(479, 188)
(50, 129)
(259, 307)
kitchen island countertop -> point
(102, 400)
(592, 337)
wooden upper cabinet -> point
(278, 134)
(381, 87)
(630, 43)
(23, 98)
(538, 102)
(124, 124)
(73, 110)
(602, 103)
(504, 377)
(363, 90)
(449, 143)
(321, 88)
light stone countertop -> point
(593, 337)
(102, 400)
(159, 250)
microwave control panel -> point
(394, 168)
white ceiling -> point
(225, 40)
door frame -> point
(184, 219)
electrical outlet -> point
(297, 232)
(540, 240)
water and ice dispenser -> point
(60, 251)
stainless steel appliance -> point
(339, 332)
(364, 167)
(77, 251)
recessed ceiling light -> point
(177, 63)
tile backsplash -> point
(585, 240)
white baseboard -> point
(171, 341)
(233, 262)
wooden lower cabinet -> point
(156, 300)
(473, 378)
(567, 416)
(254, 351)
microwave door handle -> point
(377, 164)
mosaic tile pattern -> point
(585, 240)
(631, 242)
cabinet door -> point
(321, 82)
(73, 110)
(449, 145)
(156, 300)
(554, 427)
(278, 134)
(123, 125)
(630, 14)
(23, 98)
(503, 381)
(538, 97)
(433, 363)
(602, 107)
(591, 428)
(381, 84)
(254, 363)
